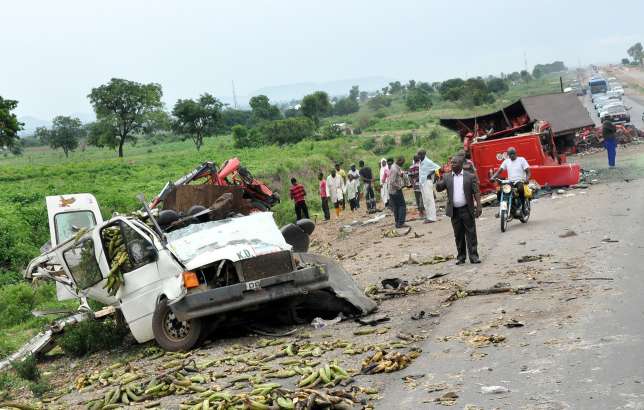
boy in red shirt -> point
(298, 194)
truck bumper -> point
(241, 295)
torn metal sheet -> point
(43, 341)
(341, 282)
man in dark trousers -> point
(298, 195)
(367, 180)
(463, 206)
(324, 197)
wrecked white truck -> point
(179, 278)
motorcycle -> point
(510, 203)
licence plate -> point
(253, 285)
(504, 206)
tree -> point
(537, 72)
(156, 122)
(65, 133)
(346, 106)
(263, 110)
(316, 106)
(625, 61)
(288, 131)
(232, 117)
(497, 85)
(292, 112)
(9, 124)
(245, 138)
(411, 84)
(395, 87)
(428, 88)
(364, 96)
(354, 93)
(636, 52)
(452, 89)
(42, 134)
(122, 108)
(418, 99)
(195, 119)
(378, 102)
(525, 75)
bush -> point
(368, 144)
(330, 132)
(27, 369)
(380, 114)
(288, 131)
(92, 336)
(407, 140)
(389, 141)
(40, 387)
(17, 301)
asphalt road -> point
(580, 347)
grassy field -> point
(148, 166)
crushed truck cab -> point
(173, 286)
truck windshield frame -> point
(61, 221)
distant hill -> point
(288, 92)
(31, 123)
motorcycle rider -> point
(518, 173)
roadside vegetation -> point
(120, 155)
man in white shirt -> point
(426, 170)
(518, 172)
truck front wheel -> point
(171, 333)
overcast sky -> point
(54, 52)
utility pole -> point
(525, 61)
(234, 95)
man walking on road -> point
(396, 196)
(463, 206)
(367, 180)
(610, 141)
(324, 197)
(426, 171)
(298, 195)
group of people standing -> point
(341, 187)
(461, 183)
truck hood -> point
(231, 239)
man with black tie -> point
(463, 206)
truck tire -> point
(172, 334)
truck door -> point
(80, 259)
(144, 277)
(67, 214)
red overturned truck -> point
(542, 128)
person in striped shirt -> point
(298, 195)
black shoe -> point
(476, 260)
(460, 262)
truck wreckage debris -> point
(175, 274)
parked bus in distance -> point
(597, 86)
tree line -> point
(127, 110)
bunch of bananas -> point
(383, 362)
(116, 256)
(328, 374)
